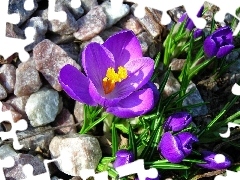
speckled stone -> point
(8, 77)
(85, 147)
(88, 4)
(49, 59)
(3, 92)
(91, 24)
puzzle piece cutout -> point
(229, 176)
(192, 8)
(20, 125)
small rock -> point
(145, 41)
(6, 150)
(17, 6)
(14, 31)
(16, 172)
(36, 139)
(91, 24)
(19, 103)
(79, 112)
(150, 24)
(172, 86)
(49, 59)
(76, 152)
(8, 77)
(88, 4)
(177, 64)
(65, 118)
(72, 49)
(27, 79)
(42, 107)
(195, 98)
(131, 22)
(3, 92)
(41, 26)
(114, 16)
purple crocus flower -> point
(197, 33)
(189, 23)
(219, 43)
(215, 161)
(116, 73)
(123, 157)
(177, 121)
(176, 148)
(157, 178)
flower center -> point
(113, 77)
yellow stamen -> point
(112, 77)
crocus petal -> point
(123, 157)
(215, 161)
(96, 60)
(139, 73)
(177, 121)
(170, 148)
(124, 46)
(224, 50)
(223, 31)
(183, 17)
(210, 47)
(154, 89)
(197, 33)
(136, 104)
(187, 139)
(75, 84)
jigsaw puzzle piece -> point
(20, 125)
(28, 5)
(137, 167)
(5, 163)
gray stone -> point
(78, 112)
(41, 26)
(18, 103)
(65, 118)
(17, 6)
(172, 86)
(195, 98)
(6, 150)
(8, 77)
(16, 172)
(145, 41)
(91, 24)
(42, 107)
(49, 59)
(61, 39)
(88, 4)
(109, 32)
(113, 16)
(3, 92)
(36, 139)
(177, 64)
(14, 31)
(75, 152)
(27, 79)
(130, 22)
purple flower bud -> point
(123, 157)
(157, 178)
(215, 161)
(189, 23)
(219, 43)
(177, 121)
(197, 33)
(176, 148)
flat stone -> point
(88, 4)
(130, 22)
(42, 107)
(18, 103)
(41, 26)
(113, 16)
(65, 118)
(195, 98)
(17, 6)
(150, 24)
(16, 172)
(85, 147)
(91, 24)
(36, 139)
(27, 79)
(8, 77)
(49, 59)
